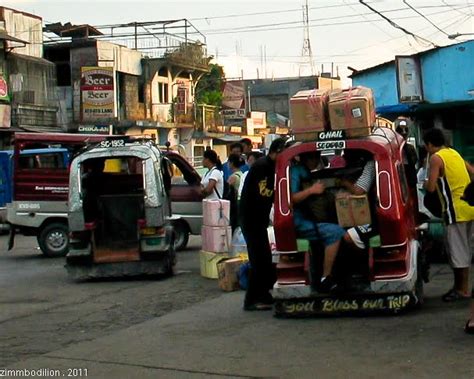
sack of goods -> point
(309, 114)
(216, 236)
(353, 110)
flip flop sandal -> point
(454, 295)
(469, 329)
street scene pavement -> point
(186, 327)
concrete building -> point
(273, 95)
(148, 94)
(28, 98)
(432, 88)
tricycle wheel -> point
(53, 240)
(181, 235)
(420, 277)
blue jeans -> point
(325, 232)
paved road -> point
(186, 327)
(42, 310)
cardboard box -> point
(309, 114)
(352, 210)
(208, 263)
(353, 110)
(227, 270)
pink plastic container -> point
(215, 212)
(216, 239)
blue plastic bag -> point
(243, 275)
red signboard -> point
(3, 88)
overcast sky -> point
(343, 32)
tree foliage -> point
(209, 87)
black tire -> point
(419, 284)
(171, 258)
(53, 239)
(181, 235)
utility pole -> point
(265, 59)
(136, 36)
(306, 53)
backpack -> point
(230, 194)
(432, 202)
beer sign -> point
(97, 93)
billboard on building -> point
(409, 79)
(3, 88)
(97, 93)
(234, 95)
(5, 115)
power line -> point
(426, 18)
(277, 26)
(264, 13)
(395, 25)
(454, 8)
(239, 28)
(363, 15)
(457, 20)
(249, 29)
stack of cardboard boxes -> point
(215, 259)
(351, 110)
(314, 111)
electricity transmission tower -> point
(306, 53)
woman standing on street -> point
(235, 163)
(212, 184)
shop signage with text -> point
(97, 90)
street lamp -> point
(249, 86)
(248, 96)
(454, 36)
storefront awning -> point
(396, 109)
(6, 37)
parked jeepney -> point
(386, 276)
(118, 221)
(38, 203)
(39, 159)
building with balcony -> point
(28, 98)
(152, 75)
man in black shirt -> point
(255, 205)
